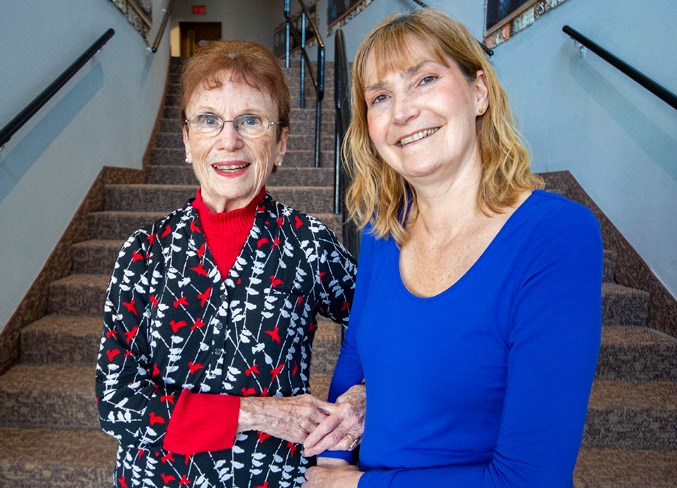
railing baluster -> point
(291, 30)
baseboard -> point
(631, 269)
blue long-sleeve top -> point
(487, 383)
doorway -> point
(192, 33)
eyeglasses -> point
(247, 125)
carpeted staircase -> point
(49, 435)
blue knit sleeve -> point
(348, 371)
(553, 344)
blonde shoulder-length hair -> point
(380, 195)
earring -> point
(188, 160)
(482, 110)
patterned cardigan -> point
(172, 322)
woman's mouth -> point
(231, 169)
(417, 136)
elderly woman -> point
(211, 311)
(477, 315)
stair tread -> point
(636, 336)
(616, 288)
(625, 468)
(55, 448)
(77, 325)
(633, 395)
(82, 279)
(38, 378)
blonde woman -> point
(477, 314)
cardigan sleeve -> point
(133, 407)
(337, 272)
(553, 346)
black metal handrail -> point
(318, 83)
(161, 29)
(658, 90)
(17, 122)
(343, 117)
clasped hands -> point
(319, 425)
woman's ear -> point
(186, 144)
(481, 88)
(282, 146)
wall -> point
(580, 114)
(252, 20)
(103, 116)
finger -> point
(328, 425)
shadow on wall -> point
(640, 128)
(34, 141)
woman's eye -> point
(378, 99)
(426, 80)
(208, 120)
(251, 120)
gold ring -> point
(354, 443)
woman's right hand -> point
(289, 418)
(343, 429)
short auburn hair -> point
(244, 60)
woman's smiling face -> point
(421, 116)
(231, 168)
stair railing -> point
(139, 11)
(161, 30)
(343, 117)
(658, 90)
(318, 82)
(24, 116)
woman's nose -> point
(404, 108)
(229, 139)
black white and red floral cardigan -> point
(171, 322)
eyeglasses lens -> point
(247, 125)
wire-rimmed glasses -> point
(247, 125)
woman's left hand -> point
(342, 430)
(345, 476)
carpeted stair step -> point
(157, 198)
(283, 176)
(319, 384)
(48, 396)
(65, 339)
(95, 256)
(117, 225)
(624, 306)
(637, 354)
(121, 224)
(632, 415)
(78, 294)
(304, 158)
(621, 468)
(609, 273)
(54, 458)
(326, 346)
